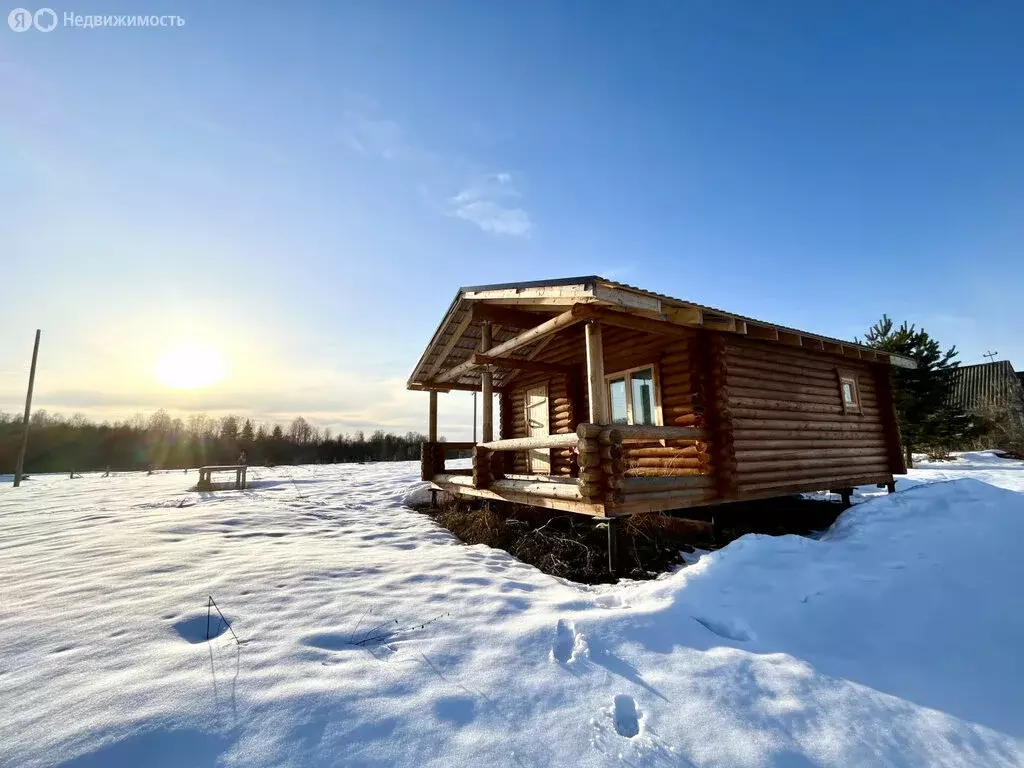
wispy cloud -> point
(487, 198)
(491, 217)
(380, 138)
(491, 203)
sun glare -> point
(190, 366)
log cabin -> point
(612, 400)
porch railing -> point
(434, 455)
(609, 469)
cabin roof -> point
(525, 304)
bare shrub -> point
(1004, 426)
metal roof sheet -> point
(973, 386)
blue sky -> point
(306, 185)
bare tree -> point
(299, 431)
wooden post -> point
(482, 471)
(613, 545)
(595, 374)
(427, 461)
(20, 468)
(432, 418)
(590, 478)
(612, 465)
(486, 388)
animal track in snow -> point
(627, 722)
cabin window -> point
(849, 393)
(632, 396)
(617, 399)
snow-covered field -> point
(372, 637)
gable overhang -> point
(516, 310)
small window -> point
(849, 393)
(632, 398)
(617, 399)
(643, 396)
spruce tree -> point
(927, 417)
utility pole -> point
(991, 355)
(20, 469)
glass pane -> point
(642, 383)
(848, 393)
(617, 396)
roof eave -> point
(594, 288)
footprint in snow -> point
(569, 644)
(627, 721)
(565, 638)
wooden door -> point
(538, 460)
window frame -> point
(626, 374)
(849, 377)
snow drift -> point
(372, 637)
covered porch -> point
(602, 487)
(582, 459)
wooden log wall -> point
(887, 409)
(681, 402)
(713, 396)
(774, 415)
(789, 427)
(679, 388)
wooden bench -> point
(205, 483)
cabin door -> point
(538, 460)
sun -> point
(190, 366)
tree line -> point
(929, 421)
(160, 441)
(929, 418)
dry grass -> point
(575, 547)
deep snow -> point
(894, 639)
